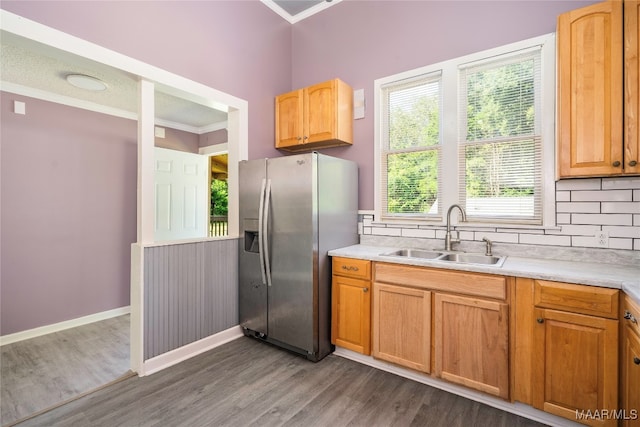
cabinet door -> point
(631, 378)
(320, 104)
(589, 87)
(289, 119)
(351, 314)
(472, 343)
(632, 90)
(402, 326)
(575, 365)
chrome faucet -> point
(447, 238)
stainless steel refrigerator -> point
(293, 210)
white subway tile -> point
(614, 231)
(579, 184)
(467, 235)
(360, 228)
(601, 219)
(440, 234)
(421, 233)
(366, 230)
(521, 230)
(620, 243)
(620, 183)
(367, 221)
(563, 218)
(563, 196)
(636, 220)
(384, 231)
(498, 237)
(584, 242)
(621, 207)
(602, 196)
(536, 239)
(581, 207)
(636, 244)
(577, 230)
(636, 195)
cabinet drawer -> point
(582, 299)
(357, 268)
(475, 284)
(633, 310)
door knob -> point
(633, 163)
(616, 163)
(365, 289)
(540, 320)
(636, 360)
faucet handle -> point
(488, 242)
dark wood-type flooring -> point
(250, 383)
(40, 372)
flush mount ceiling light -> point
(86, 82)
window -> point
(472, 130)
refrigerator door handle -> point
(265, 229)
(260, 236)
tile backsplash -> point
(594, 213)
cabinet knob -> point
(540, 320)
(365, 289)
(629, 316)
(306, 137)
(616, 163)
(633, 163)
(636, 360)
(299, 138)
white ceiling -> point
(33, 69)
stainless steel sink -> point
(414, 253)
(473, 259)
(458, 257)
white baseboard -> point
(170, 358)
(517, 408)
(61, 326)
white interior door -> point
(181, 195)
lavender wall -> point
(239, 47)
(360, 41)
(68, 190)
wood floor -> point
(250, 383)
(43, 371)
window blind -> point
(410, 150)
(500, 142)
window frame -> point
(448, 174)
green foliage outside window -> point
(219, 197)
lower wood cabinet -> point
(575, 365)
(630, 363)
(472, 343)
(402, 326)
(566, 350)
(351, 304)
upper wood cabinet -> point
(596, 65)
(317, 116)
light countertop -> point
(622, 277)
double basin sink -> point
(457, 257)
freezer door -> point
(292, 246)
(252, 290)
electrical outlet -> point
(602, 239)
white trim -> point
(66, 100)
(514, 408)
(103, 109)
(302, 15)
(165, 360)
(214, 150)
(61, 326)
